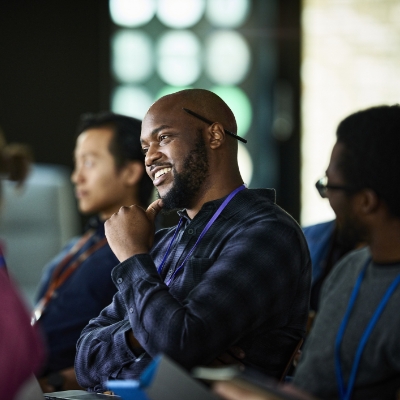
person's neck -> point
(214, 192)
(384, 242)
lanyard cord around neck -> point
(63, 271)
(345, 393)
(204, 231)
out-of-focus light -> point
(227, 13)
(179, 58)
(133, 101)
(232, 48)
(245, 163)
(180, 13)
(132, 56)
(240, 105)
(169, 90)
(131, 13)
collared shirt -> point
(81, 297)
(246, 284)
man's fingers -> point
(153, 209)
(237, 352)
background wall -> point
(54, 58)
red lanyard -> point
(60, 275)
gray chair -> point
(35, 222)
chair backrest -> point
(290, 362)
(36, 221)
(30, 390)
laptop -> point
(78, 394)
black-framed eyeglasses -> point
(210, 123)
(322, 187)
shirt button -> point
(131, 310)
(190, 231)
(119, 280)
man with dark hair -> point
(77, 285)
(353, 350)
(234, 271)
(353, 347)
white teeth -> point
(161, 172)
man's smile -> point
(161, 172)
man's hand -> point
(66, 380)
(231, 357)
(130, 231)
(134, 345)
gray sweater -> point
(379, 369)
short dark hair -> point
(371, 158)
(125, 144)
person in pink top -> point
(21, 347)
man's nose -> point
(76, 175)
(153, 154)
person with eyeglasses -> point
(328, 242)
(353, 349)
(234, 271)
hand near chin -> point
(130, 231)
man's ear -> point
(368, 201)
(133, 172)
(216, 135)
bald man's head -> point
(206, 104)
(183, 148)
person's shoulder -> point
(260, 207)
(349, 266)
(356, 258)
(261, 195)
(316, 230)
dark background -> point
(55, 66)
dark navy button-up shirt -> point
(247, 284)
(81, 297)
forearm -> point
(102, 349)
(192, 331)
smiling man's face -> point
(176, 155)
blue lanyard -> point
(345, 393)
(203, 232)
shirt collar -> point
(214, 204)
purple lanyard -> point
(204, 231)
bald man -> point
(235, 271)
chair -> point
(36, 221)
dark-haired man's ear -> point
(133, 172)
(216, 135)
(368, 201)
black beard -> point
(188, 183)
(350, 234)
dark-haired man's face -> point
(99, 187)
(350, 230)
